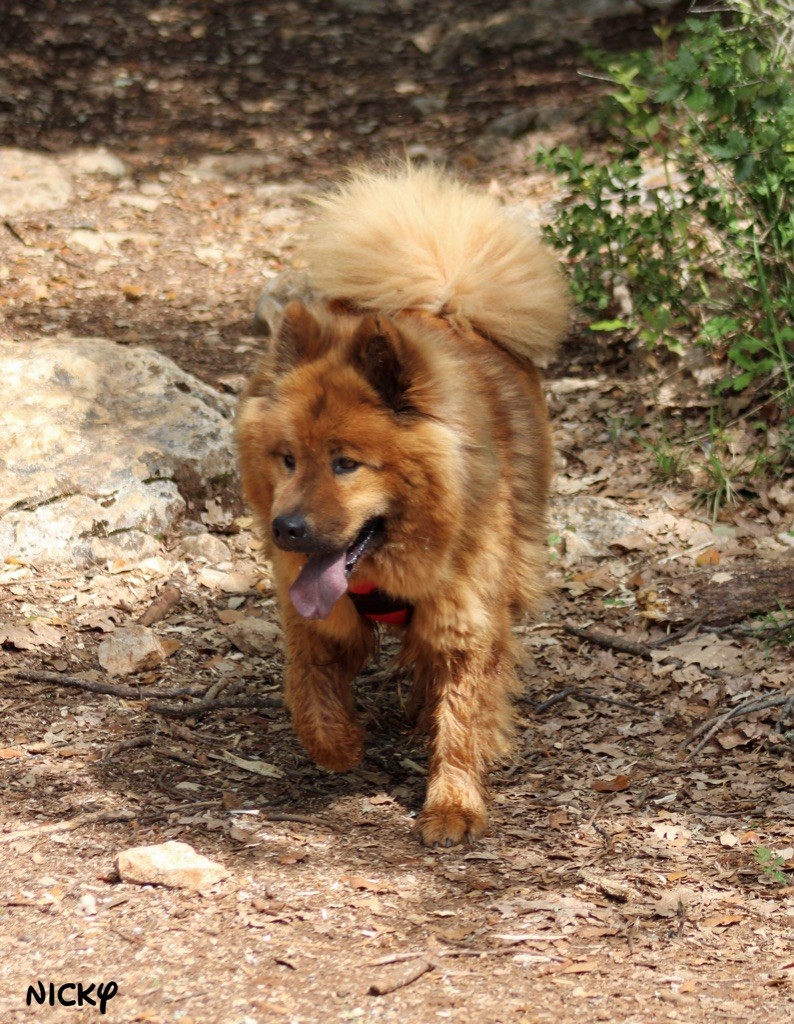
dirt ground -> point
(624, 877)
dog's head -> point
(343, 455)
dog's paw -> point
(449, 826)
(337, 748)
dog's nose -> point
(290, 531)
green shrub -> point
(685, 233)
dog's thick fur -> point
(402, 413)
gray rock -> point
(514, 123)
(174, 864)
(130, 649)
(253, 636)
(97, 441)
(504, 32)
(205, 546)
(590, 526)
(96, 161)
(229, 166)
(363, 6)
(120, 551)
(30, 183)
(520, 120)
(538, 26)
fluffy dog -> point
(395, 446)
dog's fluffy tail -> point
(413, 238)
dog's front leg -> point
(468, 715)
(322, 661)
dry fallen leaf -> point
(359, 882)
(742, 735)
(104, 619)
(29, 637)
(584, 967)
(722, 920)
(287, 859)
(709, 557)
(270, 771)
(616, 785)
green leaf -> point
(719, 327)
(685, 63)
(610, 325)
(669, 92)
(698, 99)
(744, 168)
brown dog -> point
(395, 446)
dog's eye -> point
(289, 461)
(342, 464)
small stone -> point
(86, 905)
(514, 124)
(130, 649)
(205, 546)
(240, 581)
(589, 525)
(253, 636)
(97, 161)
(173, 864)
(120, 552)
(219, 167)
(140, 202)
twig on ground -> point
(127, 692)
(397, 958)
(679, 634)
(407, 976)
(203, 707)
(611, 643)
(200, 707)
(175, 755)
(742, 710)
(218, 687)
(589, 698)
(37, 581)
(605, 836)
(92, 818)
(767, 632)
(162, 606)
(15, 234)
(130, 744)
(788, 708)
(300, 819)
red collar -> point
(377, 605)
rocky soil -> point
(156, 168)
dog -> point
(395, 446)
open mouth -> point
(371, 534)
(323, 578)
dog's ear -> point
(300, 339)
(380, 354)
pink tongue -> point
(321, 583)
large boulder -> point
(537, 26)
(101, 444)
